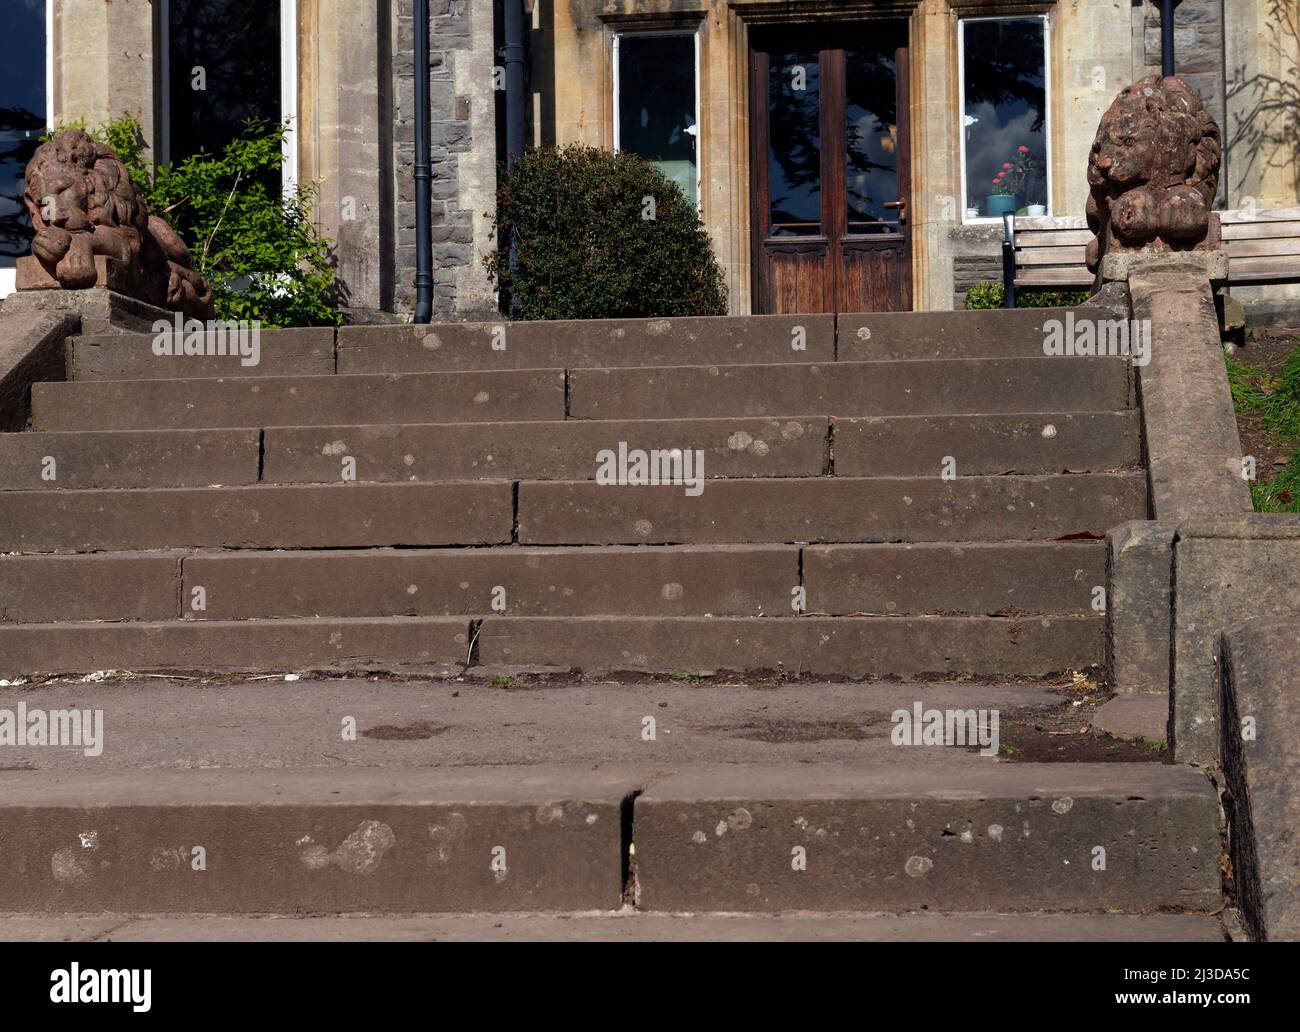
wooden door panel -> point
(798, 279)
(876, 279)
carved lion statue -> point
(83, 204)
(1153, 172)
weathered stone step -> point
(473, 397)
(842, 646)
(725, 580)
(569, 450)
(381, 643)
(1016, 836)
(565, 450)
(335, 516)
(303, 351)
(846, 646)
(346, 794)
(983, 333)
(686, 580)
(916, 388)
(1013, 837)
(107, 586)
(830, 509)
(980, 578)
(709, 340)
(79, 459)
(315, 841)
(618, 926)
(1076, 442)
(449, 719)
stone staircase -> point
(919, 497)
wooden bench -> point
(1047, 253)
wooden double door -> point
(829, 168)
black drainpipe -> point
(515, 102)
(1167, 36)
(423, 170)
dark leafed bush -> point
(990, 294)
(601, 236)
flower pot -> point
(1036, 210)
(997, 205)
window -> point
(656, 112)
(1004, 103)
(224, 62)
(24, 114)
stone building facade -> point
(910, 90)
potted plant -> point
(1010, 181)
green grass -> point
(1275, 400)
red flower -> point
(998, 181)
(1023, 150)
(1006, 164)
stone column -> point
(104, 62)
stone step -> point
(77, 460)
(720, 340)
(335, 516)
(303, 351)
(106, 586)
(725, 580)
(315, 841)
(840, 646)
(830, 509)
(1019, 836)
(983, 333)
(472, 397)
(999, 836)
(568, 450)
(912, 388)
(1075, 442)
(541, 451)
(363, 795)
(981, 578)
(381, 643)
(824, 509)
(689, 580)
(616, 926)
(844, 646)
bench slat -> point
(1057, 276)
(1051, 256)
(1260, 230)
(1244, 271)
(1247, 215)
(1050, 222)
(1274, 248)
(1052, 237)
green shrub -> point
(990, 295)
(1274, 401)
(259, 250)
(601, 236)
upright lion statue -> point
(83, 204)
(1153, 172)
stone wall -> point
(463, 151)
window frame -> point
(288, 87)
(1046, 19)
(694, 33)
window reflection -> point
(236, 45)
(1005, 115)
(794, 143)
(871, 133)
(656, 104)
